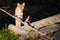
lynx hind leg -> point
(18, 23)
(27, 19)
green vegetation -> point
(6, 34)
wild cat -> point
(19, 13)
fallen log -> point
(17, 30)
(23, 29)
(46, 21)
(50, 29)
(42, 31)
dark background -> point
(36, 9)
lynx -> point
(19, 13)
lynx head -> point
(21, 6)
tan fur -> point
(19, 13)
(27, 19)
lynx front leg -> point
(18, 23)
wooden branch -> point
(11, 15)
(46, 21)
(7, 13)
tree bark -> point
(46, 21)
(17, 30)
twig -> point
(11, 15)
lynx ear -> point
(18, 4)
(23, 4)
